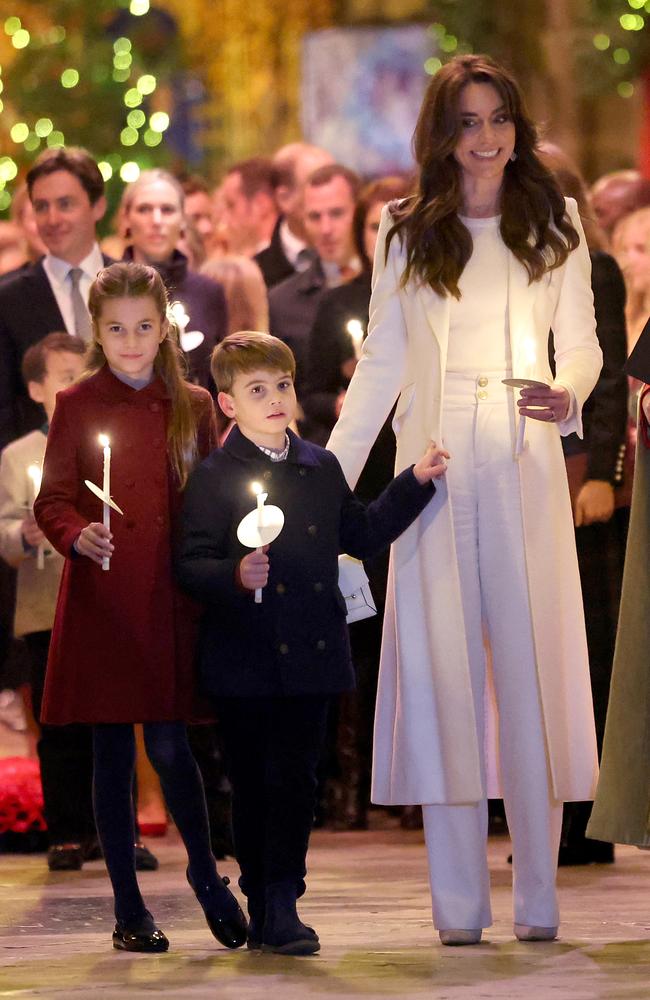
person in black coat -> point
(289, 250)
(331, 360)
(270, 667)
(328, 203)
(153, 213)
(595, 470)
(594, 467)
(273, 261)
(36, 300)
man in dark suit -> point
(249, 212)
(66, 190)
(328, 204)
(288, 250)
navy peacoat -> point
(296, 640)
(122, 645)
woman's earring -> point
(513, 156)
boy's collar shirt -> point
(277, 454)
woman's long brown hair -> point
(534, 223)
(131, 280)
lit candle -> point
(261, 497)
(35, 473)
(106, 487)
(530, 360)
(355, 329)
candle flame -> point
(355, 329)
(103, 440)
(35, 473)
(256, 488)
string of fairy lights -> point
(140, 127)
(617, 37)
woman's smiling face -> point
(487, 136)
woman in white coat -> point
(470, 276)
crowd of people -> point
(499, 609)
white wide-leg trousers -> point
(484, 493)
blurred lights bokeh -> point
(129, 171)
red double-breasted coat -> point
(122, 645)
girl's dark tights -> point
(114, 766)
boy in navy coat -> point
(271, 667)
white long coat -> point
(426, 750)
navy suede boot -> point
(284, 933)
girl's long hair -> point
(131, 280)
(534, 223)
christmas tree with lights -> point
(97, 75)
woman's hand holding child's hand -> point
(95, 542)
(254, 569)
(432, 465)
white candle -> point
(530, 361)
(355, 329)
(261, 497)
(106, 487)
(35, 473)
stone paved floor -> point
(369, 901)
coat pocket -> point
(404, 403)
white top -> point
(58, 275)
(479, 335)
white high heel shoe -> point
(524, 932)
(460, 937)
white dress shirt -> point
(291, 244)
(58, 275)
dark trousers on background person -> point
(272, 746)
(66, 760)
(356, 712)
(601, 573)
(205, 744)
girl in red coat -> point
(122, 640)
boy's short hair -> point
(34, 363)
(244, 352)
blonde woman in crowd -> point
(631, 248)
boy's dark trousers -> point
(66, 759)
(273, 745)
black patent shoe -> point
(126, 940)
(223, 913)
(145, 861)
